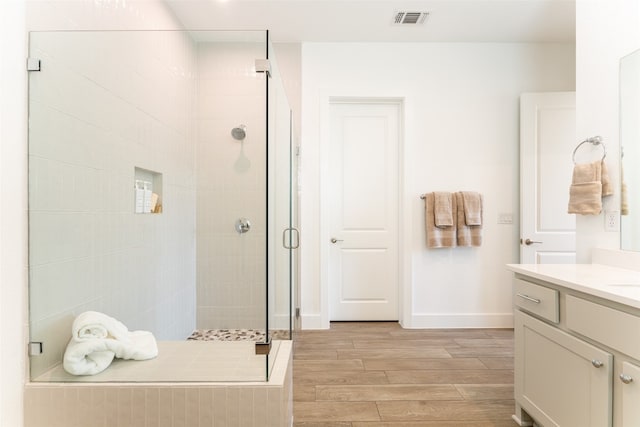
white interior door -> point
(363, 210)
(547, 140)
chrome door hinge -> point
(297, 312)
(263, 66)
(33, 64)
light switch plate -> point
(505, 218)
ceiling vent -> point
(410, 18)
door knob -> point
(334, 240)
(529, 242)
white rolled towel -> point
(94, 345)
(92, 324)
(87, 358)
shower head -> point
(239, 132)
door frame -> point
(404, 218)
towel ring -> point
(595, 140)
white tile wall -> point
(104, 103)
(230, 185)
(162, 404)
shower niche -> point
(112, 144)
(147, 191)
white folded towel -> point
(90, 356)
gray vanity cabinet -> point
(576, 358)
(559, 379)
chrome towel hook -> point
(595, 140)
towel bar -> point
(595, 140)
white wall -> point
(605, 32)
(13, 212)
(289, 57)
(461, 133)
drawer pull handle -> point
(627, 379)
(528, 298)
(597, 363)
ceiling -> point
(506, 21)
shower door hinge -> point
(263, 347)
(33, 64)
(35, 348)
(297, 312)
(263, 66)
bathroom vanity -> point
(577, 345)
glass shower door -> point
(284, 238)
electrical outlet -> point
(612, 220)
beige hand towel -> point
(472, 207)
(585, 193)
(607, 188)
(443, 207)
(624, 202)
(467, 235)
(438, 237)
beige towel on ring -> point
(624, 202)
(438, 237)
(585, 193)
(467, 235)
(607, 188)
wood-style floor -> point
(361, 374)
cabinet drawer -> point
(611, 327)
(536, 299)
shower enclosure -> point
(161, 193)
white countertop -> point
(611, 283)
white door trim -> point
(404, 218)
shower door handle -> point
(284, 238)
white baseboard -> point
(460, 321)
(520, 422)
(435, 321)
